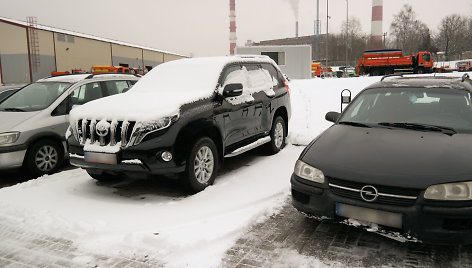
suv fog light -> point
(166, 156)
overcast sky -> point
(201, 27)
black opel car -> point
(183, 117)
(399, 156)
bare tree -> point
(409, 34)
(452, 38)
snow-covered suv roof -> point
(164, 89)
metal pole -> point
(347, 34)
(327, 37)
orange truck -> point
(110, 69)
(318, 71)
(388, 61)
(464, 66)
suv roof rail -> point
(390, 75)
(93, 75)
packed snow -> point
(165, 223)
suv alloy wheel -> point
(277, 135)
(202, 165)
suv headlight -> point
(142, 129)
(307, 172)
(459, 191)
(9, 137)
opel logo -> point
(369, 193)
(102, 128)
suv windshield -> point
(444, 107)
(34, 97)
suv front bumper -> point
(128, 161)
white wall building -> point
(294, 61)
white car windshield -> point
(34, 97)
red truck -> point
(383, 62)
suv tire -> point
(202, 165)
(44, 157)
(278, 133)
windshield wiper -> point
(13, 110)
(417, 126)
(356, 124)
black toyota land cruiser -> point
(183, 117)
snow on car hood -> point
(131, 106)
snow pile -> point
(313, 98)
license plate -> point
(370, 215)
(102, 158)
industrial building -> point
(29, 51)
(294, 61)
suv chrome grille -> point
(117, 132)
(388, 195)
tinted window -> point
(434, 106)
(116, 87)
(86, 93)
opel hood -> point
(392, 156)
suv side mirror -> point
(233, 90)
(332, 116)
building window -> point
(61, 37)
(70, 39)
(278, 57)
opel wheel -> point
(44, 157)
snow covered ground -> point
(165, 223)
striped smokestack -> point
(377, 14)
(232, 26)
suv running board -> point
(249, 146)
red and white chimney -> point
(377, 14)
(232, 26)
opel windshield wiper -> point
(417, 126)
(13, 110)
(356, 124)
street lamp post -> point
(327, 37)
(347, 34)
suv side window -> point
(86, 93)
(273, 73)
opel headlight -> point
(9, 137)
(308, 172)
(459, 191)
(144, 128)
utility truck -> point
(388, 61)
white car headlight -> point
(459, 191)
(308, 172)
(9, 137)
